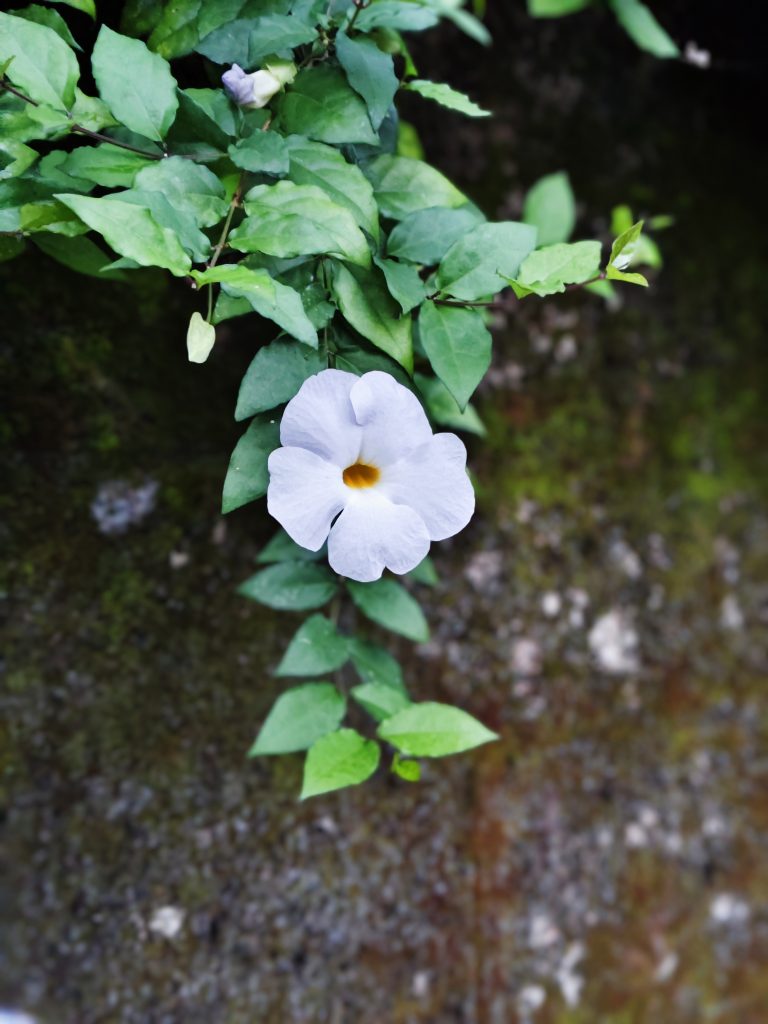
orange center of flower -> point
(361, 475)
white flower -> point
(252, 91)
(361, 449)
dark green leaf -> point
(639, 22)
(79, 254)
(322, 105)
(375, 665)
(481, 261)
(443, 408)
(390, 605)
(425, 236)
(191, 189)
(370, 72)
(248, 477)
(369, 308)
(43, 66)
(282, 549)
(403, 186)
(277, 372)
(246, 41)
(379, 700)
(340, 759)
(313, 163)
(425, 573)
(107, 165)
(263, 152)
(299, 717)
(458, 345)
(403, 283)
(316, 648)
(291, 586)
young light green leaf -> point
(403, 282)
(369, 308)
(370, 72)
(313, 163)
(299, 717)
(426, 236)
(262, 152)
(282, 549)
(551, 207)
(340, 759)
(619, 275)
(316, 648)
(275, 375)
(297, 220)
(410, 771)
(268, 297)
(458, 345)
(375, 665)
(547, 271)
(50, 215)
(131, 231)
(622, 253)
(446, 97)
(107, 165)
(555, 8)
(40, 62)
(434, 730)
(190, 188)
(403, 186)
(639, 22)
(80, 254)
(390, 605)
(52, 19)
(247, 41)
(201, 337)
(136, 84)
(444, 409)
(86, 6)
(480, 263)
(291, 586)
(248, 477)
(322, 105)
(15, 158)
(379, 700)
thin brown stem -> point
(235, 202)
(360, 5)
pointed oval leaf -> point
(391, 606)
(41, 64)
(291, 586)
(480, 263)
(403, 186)
(248, 477)
(275, 375)
(201, 337)
(447, 97)
(370, 72)
(338, 760)
(299, 717)
(551, 207)
(458, 345)
(434, 730)
(367, 305)
(317, 647)
(323, 106)
(426, 236)
(379, 700)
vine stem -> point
(234, 203)
(80, 129)
(360, 5)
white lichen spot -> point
(551, 603)
(420, 984)
(613, 642)
(731, 615)
(530, 998)
(542, 931)
(697, 55)
(526, 657)
(666, 967)
(729, 909)
(167, 921)
(569, 981)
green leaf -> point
(167, 215)
(246, 41)
(131, 231)
(379, 700)
(547, 271)
(79, 254)
(356, 356)
(467, 22)
(550, 206)
(268, 297)
(340, 759)
(444, 409)
(390, 605)
(403, 186)
(480, 263)
(206, 118)
(86, 6)
(299, 717)
(190, 188)
(434, 730)
(369, 308)
(406, 15)
(50, 215)
(316, 648)
(639, 23)
(107, 165)
(322, 105)
(15, 158)
(263, 152)
(275, 375)
(618, 275)
(136, 84)
(282, 549)
(446, 97)
(403, 282)
(42, 64)
(92, 113)
(297, 220)
(458, 345)
(52, 19)
(425, 573)
(10, 247)
(313, 163)
(375, 665)
(555, 8)
(177, 31)
(291, 586)
(408, 770)
(370, 72)
(623, 252)
(248, 477)
(201, 337)
(424, 237)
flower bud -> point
(251, 91)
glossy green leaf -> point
(375, 665)
(434, 730)
(444, 409)
(289, 220)
(107, 165)
(86, 6)
(338, 760)
(50, 215)
(248, 477)
(247, 41)
(275, 375)
(390, 605)
(367, 305)
(623, 252)
(282, 549)
(131, 231)
(370, 72)
(481, 261)
(555, 8)
(316, 648)
(640, 24)
(52, 19)
(261, 152)
(314, 163)
(403, 283)
(323, 106)
(191, 189)
(298, 718)
(168, 215)
(136, 84)
(206, 119)
(201, 337)
(43, 66)
(80, 254)
(15, 158)
(424, 237)
(547, 271)
(403, 186)
(410, 771)
(458, 345)
(551, 207)
(447, 97)
(291, 586)
(379, 700)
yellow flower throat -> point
(360, 475)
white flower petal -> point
(372, 534)
(305, 494)
(391, 416)
(321, 419)
(433, 480)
